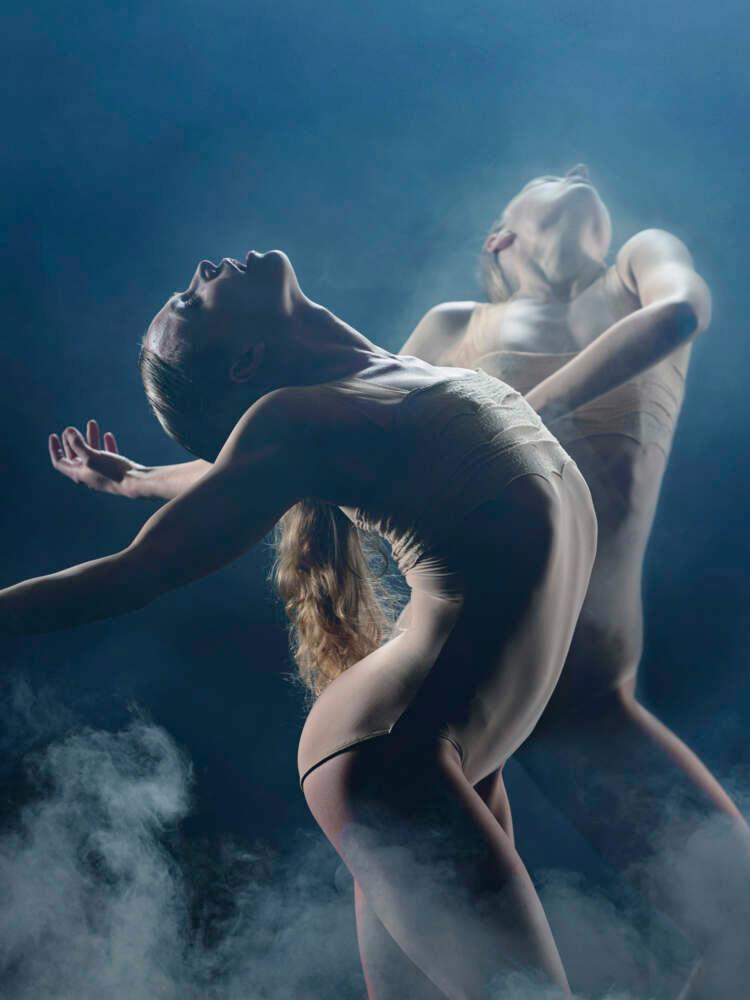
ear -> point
(248, 363)
(500, 240)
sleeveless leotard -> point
(456, 443)
(624, 482)
(644, 409)
(448, 448)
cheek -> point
(226, 306)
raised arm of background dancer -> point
(258, 475)
(436, 332)
(675, 306)
(95, 461)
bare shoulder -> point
(439, 328)
(448, 319)
(657, 266)
(650, 248)
(451, 317)
(281, 420)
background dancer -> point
(601, 352)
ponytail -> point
(323, 576)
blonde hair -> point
(336, 609)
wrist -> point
(136, 483)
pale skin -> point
(298, 441)
(552, 245)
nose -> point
(579, 170)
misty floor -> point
(105, 895)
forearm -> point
(90, 591)
(163, 482)
(627, 348)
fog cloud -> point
(104, 894)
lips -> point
(238, 265)
(233, 262)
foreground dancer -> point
(456, 470)
(601, 353)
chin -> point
(589, 214)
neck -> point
(558, 275)
(319, 347)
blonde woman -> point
(601, 352)
(300, 420)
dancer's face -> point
(226, 306)
(553, 211)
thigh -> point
(437, 868)
(494, 794)
(389, 973)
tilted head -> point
(205, 354)
(554, 228)
(208, 354)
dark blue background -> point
(374, 143)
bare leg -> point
(389, 974)
(493, 792)
(435, 866)
(651, 809)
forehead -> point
(163, 334)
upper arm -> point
(438, 331)
(657, 267)
(261, 471)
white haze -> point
(104, 896)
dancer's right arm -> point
(267, 464)
(96, 462)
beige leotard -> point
(644, 409)
(481, 656)
(620, 442)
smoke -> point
(102, 895)
(92, 901)
(105, 894)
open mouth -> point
(236, 264)
(239, 265)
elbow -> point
(688, 308)
(683, 319)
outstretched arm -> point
(675, 306)
(258, 475)
(97, 463)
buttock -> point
(392, 778)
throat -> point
(560, 279)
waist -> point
(435, 534)
(434, 547)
